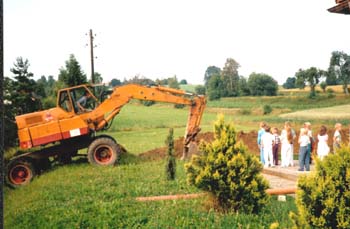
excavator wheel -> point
(20, 172)
(103, 151)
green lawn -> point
(82, 196)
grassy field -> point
(79, 195)
(329, 113)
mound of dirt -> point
(249, 139)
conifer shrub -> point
(171, 162)
(323, 197)
(228, 172)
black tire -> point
(103, 151)
(19, 172)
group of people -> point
(269, 142)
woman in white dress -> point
(322, 146)
(287, 138)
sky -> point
(163, 38)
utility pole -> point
(92, 57)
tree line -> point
(227, 82)
(338, 73)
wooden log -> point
(276, 191)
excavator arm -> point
(109, 108)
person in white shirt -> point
(304, 158)
(267, 141)
(322, 145)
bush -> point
(267, 109)
(323, 198)
(228, 172)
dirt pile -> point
(249, 139)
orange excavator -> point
(73, 124)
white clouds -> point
(162, 38)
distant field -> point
(335, 88)
(334, 113)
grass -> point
(80, 195)
(328, 113)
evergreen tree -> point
(171, 162)
(23, 96)
(72, 74)
(228, 172)
(323, 197)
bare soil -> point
(249, 139)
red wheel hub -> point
(103, 154)
(20, 174)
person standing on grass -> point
(287, 138)
(267, 141)
(275, 145)
(337, 137)
(304, 158)
(322, 145)
(260, 134)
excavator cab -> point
(77, 100)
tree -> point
(183, 81)
(10, 138)
(98, 78)
(290, 83)
(323, 196)
(214, 87)
(200, 90)
(23, 97)
(339, 67)
(229, 173)
(243, 89)
(262, 84)
(211, 71)
(72, 74)
(115, 82)
(230, 78)
(311, 76)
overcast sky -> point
(161, 38)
